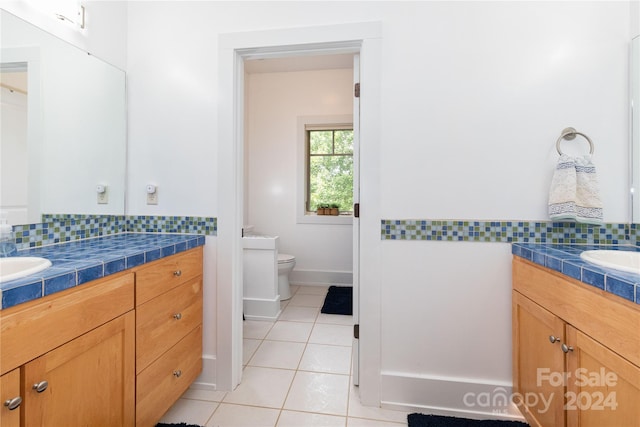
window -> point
(329, 167)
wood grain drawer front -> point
(162, 275)
(162, 383)
(34, 328)
(165, 320)
(10, 392)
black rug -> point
(421, 420)
(176, 425)
(339, 300)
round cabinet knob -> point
(177, 316)
(553, 339)
(41, 386)
(12, 404)
(177, 373)
(177, 273)
(567, 348)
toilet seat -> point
(285, 258)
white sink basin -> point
(620, 260)
(12, 268)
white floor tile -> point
(290, 331)
(261, 387)
(243, 416)
(306, 300)
(249, 347)
(255, 329)
(336, 319)
(190, 412)
(278, 354)
(299, 314)
(326, 358)
(306, 419)
(316, 392)
(331, 334)
(361, 422)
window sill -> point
(325, 219)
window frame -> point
(306, 123)
(308, 155)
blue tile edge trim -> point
(504, 231)
(79, 262)
(60, 228)
(566, 259)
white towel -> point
(574, 193)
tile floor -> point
(297, 373)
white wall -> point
(475, 95)
(105, 33)
(274, 103)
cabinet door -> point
(603, 389)
(538, 363)
(90, 380)
(9, 398)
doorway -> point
(234, 50)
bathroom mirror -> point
(635, 130)
(63, 127)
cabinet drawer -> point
(162, 275)
(166, 319)
(162, 383)
(36, 327)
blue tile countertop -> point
(81, 261)
(566, 260)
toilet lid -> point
(282, 258)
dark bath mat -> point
(421, 420)
(339, 300)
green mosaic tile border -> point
(173, 224)
(59, 228)
(505, 231)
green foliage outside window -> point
(331, 169)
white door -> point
(356, 219)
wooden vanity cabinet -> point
(168, 332)
(576, 352)
(118, 351)
(72, 355)
(11, 399)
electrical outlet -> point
(103, 198)
(152, 198)
(103, 194)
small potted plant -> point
(323, 209)
(334, 209)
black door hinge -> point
(356, 90)
(356, 210)
(356, 331)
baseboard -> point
(207, 378)
(458, 397)
(261, 309)
(320, 278)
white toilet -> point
(286, 263)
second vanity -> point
(115, 350)
(576, 340)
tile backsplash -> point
(508, 231)
(57, 228)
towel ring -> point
(569, 134)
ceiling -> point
(299, 63)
